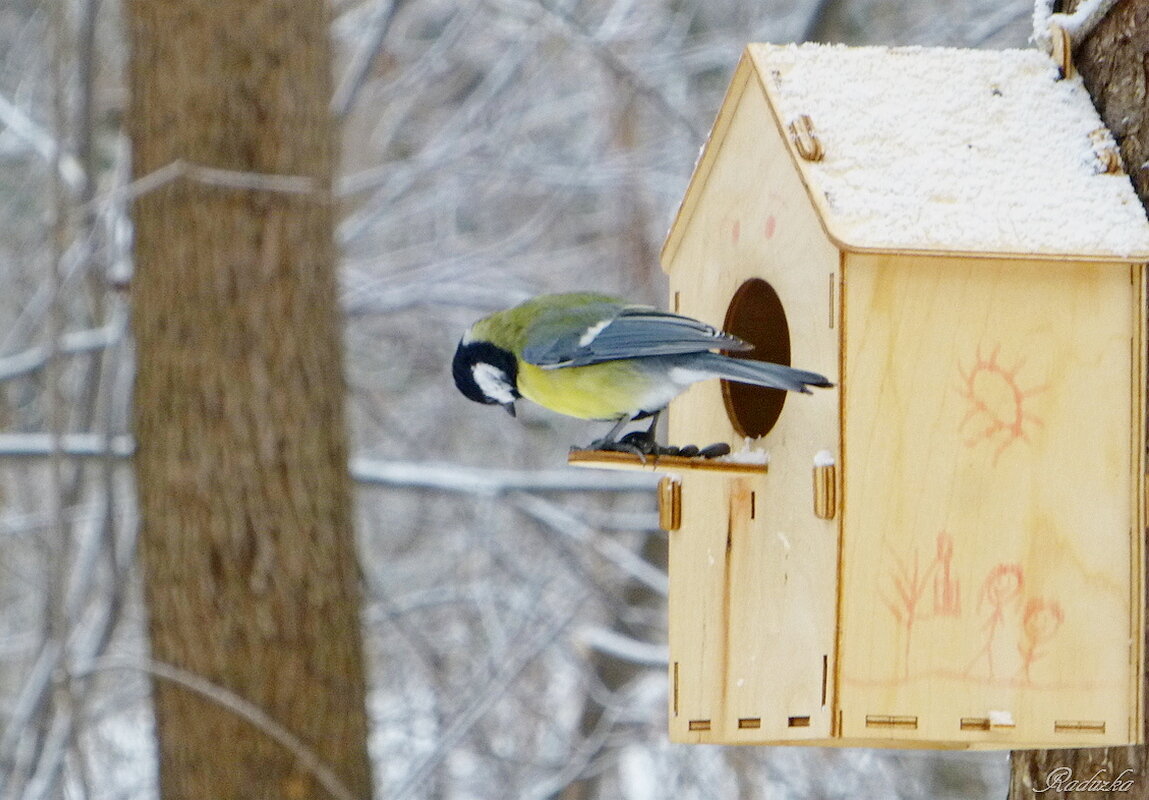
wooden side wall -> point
(993, 496)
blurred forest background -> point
(514, 609)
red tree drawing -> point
(911, 582)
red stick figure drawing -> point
(996, 403)
(1039, 622)
(1000, 589)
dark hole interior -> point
(756, 316)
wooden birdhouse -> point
(946, 549)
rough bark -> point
(1114, 63)
(246, 543)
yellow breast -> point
(604, 391)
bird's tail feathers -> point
(760, 373)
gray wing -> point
(627, 332)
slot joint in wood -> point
(902, 721)
(798, 722)
(746, 723)
(974, 723)
(698, 725)
(1078, 726)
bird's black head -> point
(486, 373)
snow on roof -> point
(954, 150)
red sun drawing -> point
(996, 403)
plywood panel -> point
(699, 610)
(989, 534)
(775, 595)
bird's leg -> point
(610, 441)
(644, 441)
(638, 443)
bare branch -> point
(41, 141)
(37, 357)
(361, 60)
(403, 474)
(214, 176)
(488, 482)
(623, 648)
(1078, 25)
(72, 445)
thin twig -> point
(41, 141)
(355, 76)
(215, 176)
(71, 445)
(37, 357)
(623, 648)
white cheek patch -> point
(493, 382)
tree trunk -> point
(246, 543)
(1112, 62)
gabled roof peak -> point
(948, 150)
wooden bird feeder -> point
(945, 550)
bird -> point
(597, 357)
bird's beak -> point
(510, 407)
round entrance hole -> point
(756, 316)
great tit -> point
(596, 357)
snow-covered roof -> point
(937, 149)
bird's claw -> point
(637, 443)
